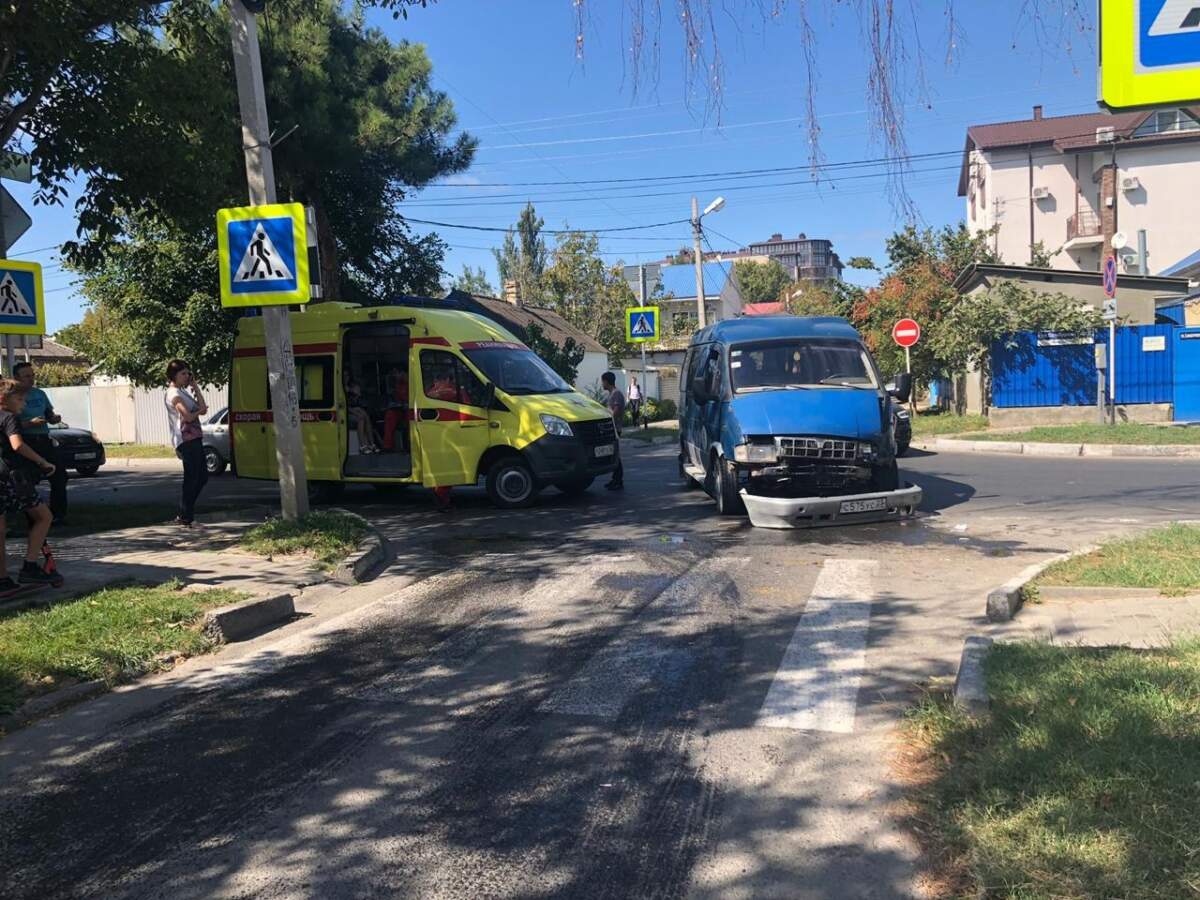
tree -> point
(473, 281)
(808, 298)
(760, 282)
(56, 374)
(522, 258)
(862, 262)
(1039, 256)
(564, 360)
(585, 292)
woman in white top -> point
(635, 400)
(185, 409)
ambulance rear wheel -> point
(322, 493)
(510, 483)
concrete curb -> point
(48, 703)
(163, 462)
(970, 685)
(1035, 448)
(356, 567)
(242, 620)
(1004, 602)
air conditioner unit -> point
(1130, 183)
(1041, 193)
(1106, 135)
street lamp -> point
(698, 255)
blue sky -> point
(541, 115)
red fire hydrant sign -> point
(906, 332)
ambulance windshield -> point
(514, 368)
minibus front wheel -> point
(510, 483)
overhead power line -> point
(548, 230)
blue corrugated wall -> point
(1175, 313)
(1025, 373)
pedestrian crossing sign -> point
(1149, 53)
(263, 253)
(22, 306)
(641, 324)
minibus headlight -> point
(756, 453)
(556, 426)
(866, 450)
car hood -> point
(70, 432)
(836, 412)
(571, 407)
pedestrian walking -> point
(615, 401)
(18, 493)
(635, 401)
(185, 408)
(35, 421)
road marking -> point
(816, 687)
(628, 664)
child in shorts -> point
(18, 494)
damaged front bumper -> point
(809, 512)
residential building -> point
(517, 316)
(676, 298)
(1071, 182)
(804, 258)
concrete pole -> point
(697, 258)
(8, 347)
(260, 177)
(1112, 373)
(642, 302)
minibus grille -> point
(596, 431)
(816, 448)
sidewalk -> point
(152, 554)
(1097, 617)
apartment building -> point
(1072, 182)
(805, 258)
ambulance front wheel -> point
(511, 484)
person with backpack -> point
(185, 409)
(18, 493)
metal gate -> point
(1187, 375)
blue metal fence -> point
(1031, 369)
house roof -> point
(517, 318)
(1189, 265)
(762, 309)
(1063, 133)
(52, 351)
(680, 280)
(973, 274)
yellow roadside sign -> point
(641, 324)
(263, 253)
(22, 303)
(1149, 53)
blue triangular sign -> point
(641, 327)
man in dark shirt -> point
(18, 493)
(615, 401)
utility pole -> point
(8, 347)
(277, 329)
(642, 302)
(697, 258)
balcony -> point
(1083, 230)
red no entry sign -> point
(906, 332)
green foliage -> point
(832, 299)
(965, 333)
(656, 410)
(953, 247)
(326, 536)
(1166, 558)
(473, 281)
(1039, 256)
(564, 360)
(587, 293)
(55, 374)
(522, 258)
(760, 282)
(862, 262)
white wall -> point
(72, 404)
(1165, 205)
(587, 379)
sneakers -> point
(32, 573)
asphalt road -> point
(614, 696)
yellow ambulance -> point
(443, 397)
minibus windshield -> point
(800, 364)
(514, 368)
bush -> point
(660, 410)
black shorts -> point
(17, 493)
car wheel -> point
(576, 487)
(87, 471)
(724, 488)
(213, 461)
(901, 448)
(322, 493)
(510, 483)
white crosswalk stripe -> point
(816, 686)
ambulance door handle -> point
(494, 424)
(428, 415)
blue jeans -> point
(195, 476)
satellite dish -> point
(1119, 240)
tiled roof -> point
(680, 280)
(517, 318)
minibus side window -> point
(445, 377)
(314, 382)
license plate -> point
(85, 455)
(856, 506)
(605, 450)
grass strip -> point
(326, 536)
(115, 635)
(934, 423)
(1166, 558)
(1154, 435)
(1083, 782)
(138, 451)
(646, 435)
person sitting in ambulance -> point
(394, 418)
